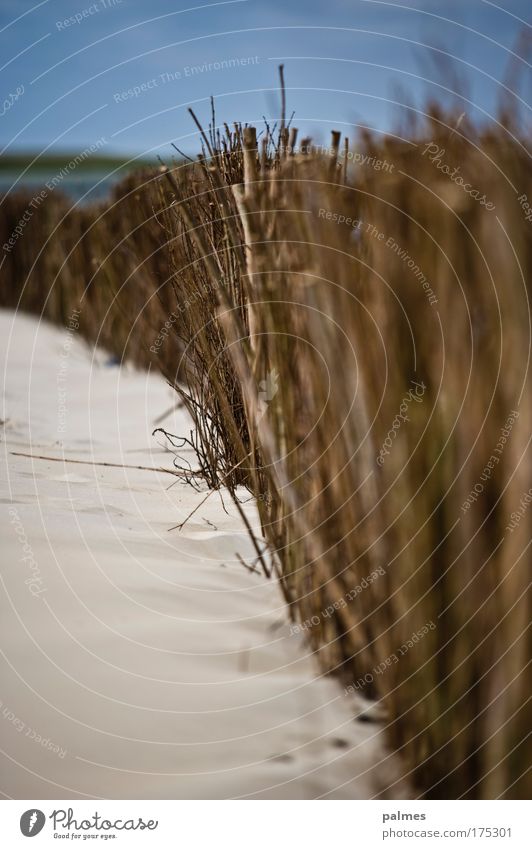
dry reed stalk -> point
(316, 295)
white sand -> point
(138, 662)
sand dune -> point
(141, 662)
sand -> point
(140, 662)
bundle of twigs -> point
(358, 347)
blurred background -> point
(121, 74)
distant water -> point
(89, 185)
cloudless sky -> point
(346, 62)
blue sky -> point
(346, 62)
